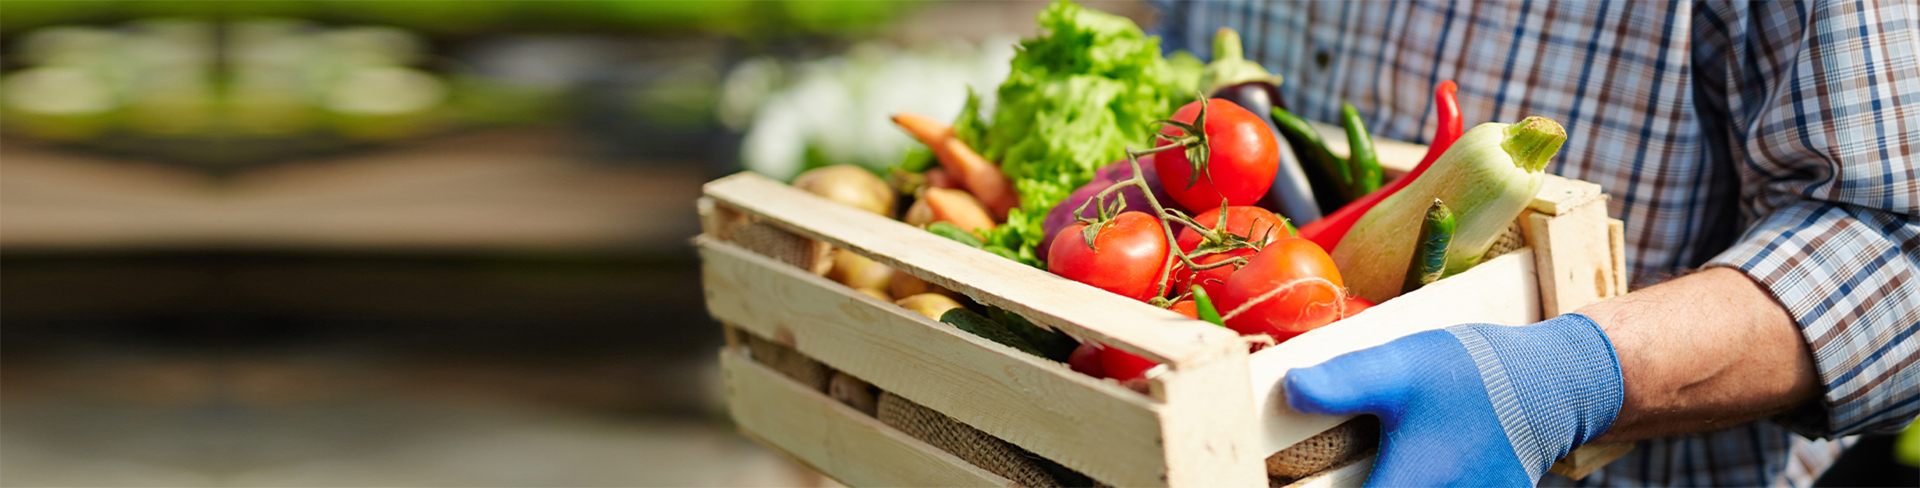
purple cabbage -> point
(1062, 214)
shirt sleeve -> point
(1823, 103)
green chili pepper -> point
(1430, 251)
(1204, 307)
(1363, 165)
(1327, 174)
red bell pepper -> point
(1328, 231)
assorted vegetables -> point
(1327, 231)
(1232, 78)
(1076, 97)
(1089, 171)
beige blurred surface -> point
(510, 191)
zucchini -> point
(1487, 177)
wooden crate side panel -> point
(1574, 253)
(1503, 290)
(834, 439)
(1028, 401)
(1042, 297)
(1205, 420)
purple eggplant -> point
(1062, 214)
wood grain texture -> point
(1500, 291)
(1574, 251)
(1617, 233)
(1083, 311)
(1031, 402)
(1205, 422)
(834, 439)
(1560, 195)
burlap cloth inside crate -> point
(808, 254)
(986, 451)
(789, 362)
(1326, 450)
(1509, 241)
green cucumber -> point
(1052, 344)
(982, 326)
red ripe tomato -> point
(1126, 256)
(1255, 223)
(1355, 305)
(1280, 283)
(1242, 157)
(1086, 360)
(1122, 365)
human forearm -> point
(1702, 352)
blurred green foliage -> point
(740, 18)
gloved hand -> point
(1473, 405)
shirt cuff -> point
(1850, 277)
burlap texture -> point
(814, 256)
(789, 362)
(985, 451)
(1508, 242)
(854, 393)
(1326, 450)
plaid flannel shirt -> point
(1776, 138)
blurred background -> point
(416, 243)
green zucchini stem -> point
(1533, 142)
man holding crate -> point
(1763, 158)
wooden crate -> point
(1210, 419)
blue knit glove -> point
(1473, 405)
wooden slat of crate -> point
(1502, 290)
(835, 439)
(1029, 401)
(1042, 297)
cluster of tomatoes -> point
(1278, 285)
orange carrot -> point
(975, 172)
(928, 131)
(981, 177)
(958, 208)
